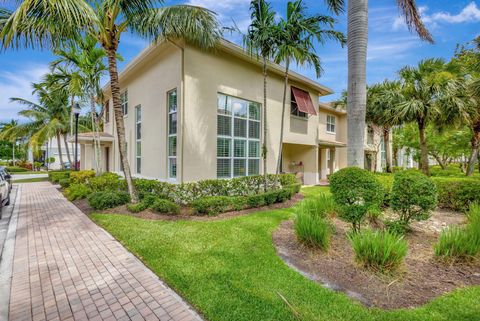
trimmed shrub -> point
(284, 194)
(271, 197)
(397, 227)
(64, 182)
(256, 200)
(312, 230)
(457, 193)
(149, 199)
(212, 205)
(56, 176)
(105, 182)
(165, 207)
(355, 191)
(137, 207)
(414, 196)
(378, 250)
(108, 199)
(288, 179)
(16, 169)
(81, 177)
(239, 203)
(77, 191)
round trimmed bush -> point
(136, 208)
(165, 207)
(108, 199)
(355, 191)
(212, 205)
(77, 191)
(414, 195)
(379, 250)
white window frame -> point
(171, 158)
(138, 156)
(331, 124)
(124, 102)
(232, 138)
(106, 111)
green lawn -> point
(229, 270)
(31, 180)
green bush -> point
(457, 193)
(312, 230)
(81, 177)
(105, 182)
(271, 197)
(56, 176)
(256, 200)
(239, 203)
(212, 205)
(379, 250)
(322, 206)
(107, 199)
(64, 182)
(386, 180)
(414, 196)
(397, 227)
(355, 191)
(284, 194)
(149, 199)
(77, 191)
(165, 207)
(137, 207)
(16, 169)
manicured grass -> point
(229, 270)
(31, 180)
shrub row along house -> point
(192, 115)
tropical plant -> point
(261, 41)
(311, 229)
(8, 133)
(50, 23)
(295, 38)
(357, 34)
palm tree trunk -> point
(264, 148)
(357, 91)
(67, 150)
(280, 147)
(117, 109)
(59, 147)
(96, 136)
(386, 144)
(423, 148)
(13, 153)
(475, 142)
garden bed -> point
(421, 279)
(186, 213)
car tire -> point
(8, 200)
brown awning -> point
(304, 101)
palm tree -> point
(8, 130)
(381, 101)
(4, 15)
(428, 93)
(86, 59)
(357, 35)
(260, 41)
(296, 34)
(50, 22)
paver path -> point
(67, 268)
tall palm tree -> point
(8, 130)
(357, 35)
(4, 15)
(428, 93)
(260, 41)
(381, 101)
(86, 60)
(50, 22)
(295, 43)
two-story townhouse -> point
(191, 114)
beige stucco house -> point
(192, 115)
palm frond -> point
(413, 20)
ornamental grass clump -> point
(461, 243)
(312, 228)
(379, 250)
(355, 191)
(322, 205)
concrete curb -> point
(6, 260)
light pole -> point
(76, 111)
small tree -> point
(356, 191)
(414, 196)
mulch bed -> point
(421, 279)
(186, 213)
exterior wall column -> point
(323, 164)
(311, 167)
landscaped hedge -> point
(455, 193)
(56, 176)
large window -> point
(238, 137)
(106, 111)
(124, 102)
(138, 138)
(172, 134)
(330, 124)
(294, 107)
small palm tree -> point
(261, 41)
(8, 132)
(50, 22)
(296, 36)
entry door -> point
(107, 158)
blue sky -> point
(391, 46)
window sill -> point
(331, 133)
(299, 118)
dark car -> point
(4, 192)
(7, 176)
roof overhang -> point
(89, 137)
(331, 143)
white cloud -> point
(470, 13)
(18, 84)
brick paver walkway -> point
(67, 268)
